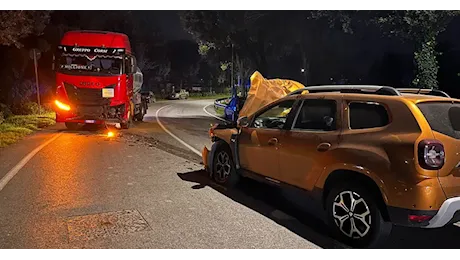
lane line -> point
(210, 114)
(276, 213)
(9, 175)
(173, 135)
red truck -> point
(97, 80)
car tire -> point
(71, 126)
(369, 230)
(223, 168)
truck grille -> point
(86, 96)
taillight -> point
(431, 155)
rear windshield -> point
(443, 117)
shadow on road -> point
(267, 201)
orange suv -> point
(364, 158)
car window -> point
(275, 117)
(367, 115)
(443, 117)
(317, 115)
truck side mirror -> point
(242, 121)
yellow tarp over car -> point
(264, 91)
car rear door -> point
(308, 145)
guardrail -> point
(218, 103)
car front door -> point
(259, 143)
(310, 143)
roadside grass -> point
(16, 127)
(219, 111)
(217, 96)
(194, 96)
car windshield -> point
(82, 64)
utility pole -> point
(233, 85)
(35, 56)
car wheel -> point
(224, 171)
(355, 218)
(71, 126)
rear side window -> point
(367, 115)
(442, 117)
(317, 115)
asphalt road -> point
(84, 190)
(146, 189)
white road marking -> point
(9, 175)
(173, 135)
(204, 109)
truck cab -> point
(96, 76)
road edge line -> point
(173, 135)
(204, 109)
(11, 173)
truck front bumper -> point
(448, 213)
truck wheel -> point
(224, 171)
(127, 124)
(354, 216)
(140, 116)
(71, 126)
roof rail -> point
(363, 89)
(425, 91)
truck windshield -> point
(81, 65)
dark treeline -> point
(395, 48)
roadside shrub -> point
(27, 108)
(26, 120)
(5, 110)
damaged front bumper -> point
(205, 157)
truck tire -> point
(354, 216)
(127, 124)
(223, 168)
(140, 116)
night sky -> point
(169, 23)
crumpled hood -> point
(264, 91)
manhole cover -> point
(102, 225)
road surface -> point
(147, 189)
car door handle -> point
(322, 147)
(273, 141)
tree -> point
(16, 25)
(248, 34)
(421, 28)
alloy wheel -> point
(352, 214)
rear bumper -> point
(447, 214)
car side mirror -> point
(242, 122)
